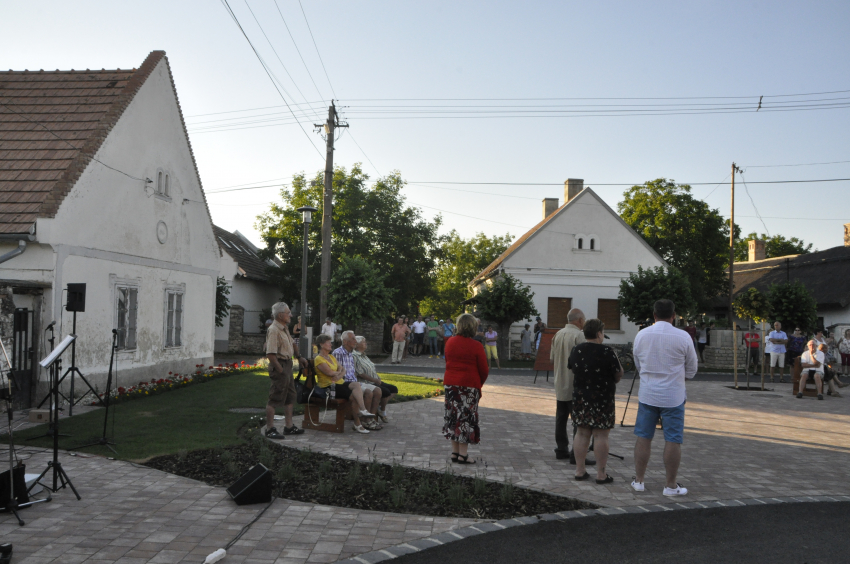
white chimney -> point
(847, 234)
(756, 249)
(549, 206)
(572, 187)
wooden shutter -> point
(132, 308)
(609, 313)
(556, 316)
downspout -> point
(22, 246)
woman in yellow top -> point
(329, 371)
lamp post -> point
(307, 218)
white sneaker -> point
(678, 490)
(383, 416)
(637, 486)
(361, 429)
(365, 414)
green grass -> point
(190, 418)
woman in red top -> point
(466, 372)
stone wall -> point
(373, 330)
(239, 342)
(720, 353)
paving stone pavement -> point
(131, 514)
(738, 444)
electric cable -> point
(800, 164)
(364, 154)
(276, 5)
(704, 198)
(747, 190)
(317, 49)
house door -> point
(556, 316)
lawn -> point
(190, 418)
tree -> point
(686, 232)
(776, 246)
(357, 291)
(370, 222)
(793, 306)
(222, 302)
(505, 301)
(460, 261)
(640, 291)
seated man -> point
(813, 360)
(829, 373)
(346, 360)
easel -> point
(103, 440)
(542, 362)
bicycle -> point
(627, 358)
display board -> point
(542, 362)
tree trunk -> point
(504, 342)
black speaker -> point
(255, 486)
(76, 298)
(20, 486)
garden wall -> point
(243, 343)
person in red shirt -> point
(691, 330)
(752, 341)
(466, 372)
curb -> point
(419, 545)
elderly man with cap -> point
(280, 349)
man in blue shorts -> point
(665, 357)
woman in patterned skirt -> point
(466, 372)
(596, 371)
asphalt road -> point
(783, 533)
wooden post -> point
(761, 354)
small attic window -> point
(580, 243)
(223, 241)
(112, 84)
(163, 184)
(592, 244)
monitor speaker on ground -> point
(255, 486)
(20, 486)
(76, 298)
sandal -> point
(583, 478)
(454, 456)
(608, 479)
(464, 459)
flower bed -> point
(174, 381)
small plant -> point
(426, 489)
(226, 457)
(379, 486)
(353, 476)
(182, 454)
(233, 468)
(305, 454)
(506, 494)
(456, 495)
(398, 473)
(479, 485)
(325, 467)
(286, 472)
(448, 477)
(397, 498)
(267, 458)
(325, 488)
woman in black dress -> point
(597, 370)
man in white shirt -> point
(776, 341)
(664, 357)
(329, 328)
(419, 327)
(813, 360)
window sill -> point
(587, 250)
(163, 197)
(615, 331)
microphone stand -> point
(103, 441)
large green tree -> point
(505, 301)
(357, 292)
(460, 261)
(776, 246)
(368, 221)
(686, 232)
(640, 291)
(793, 306)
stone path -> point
(131, 514)
(738, 444)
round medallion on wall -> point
(162, 232)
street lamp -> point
(304, 342)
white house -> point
(251, 292)
(98, 185)
(575, 257)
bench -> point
(796, 375)
(332, 422)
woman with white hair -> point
(367, 375)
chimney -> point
(549, 206)
(756, 250)
(572, 187)
(847, 234)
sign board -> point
(542, 362)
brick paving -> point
(132, 514)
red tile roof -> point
(51, 126)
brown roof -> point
(244, 254)
(51, 126)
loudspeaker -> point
(255, 486)
(20, 486)
(76, 298)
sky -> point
(532, 85)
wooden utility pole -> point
(731, 279)
(327, 208)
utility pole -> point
(732, 276)
(327, 208)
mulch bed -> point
(320, 478)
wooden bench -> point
(333, 420)
(796, 375)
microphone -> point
(115, 331)
(51, 325)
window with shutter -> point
(126, 309)
(173, 318)
(609, 313)
(556, 315)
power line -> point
(801, 164)
(297, 49)
(250, 184)
(755, 96)
(747, 190)
(268, 73)
(317, 49)
(618, 184)
(364, 154)
(254, 109)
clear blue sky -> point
(483, 50)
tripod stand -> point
(628, 399)
(53, 362)
(103, 441)
(73, 370)
(12, 506)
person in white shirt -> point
(813, 359)
(329, 328)
(776, 341)
(419, 327)
(665, 358)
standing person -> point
(399, 334)
(526, 341)
(296, 334)
(408, 339)
(708, 334)
(752, 342)
(776, 341)
(466, 372)
(448, 332)
(563, 344)
(432, 337)
(597, 371)
(665, 358)
(795, 347)
(329, 328)
(539, 326)
(844, 351)
(280, 350)
(691, 330)
(418, 335)
(491, 346)
(702, 338)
